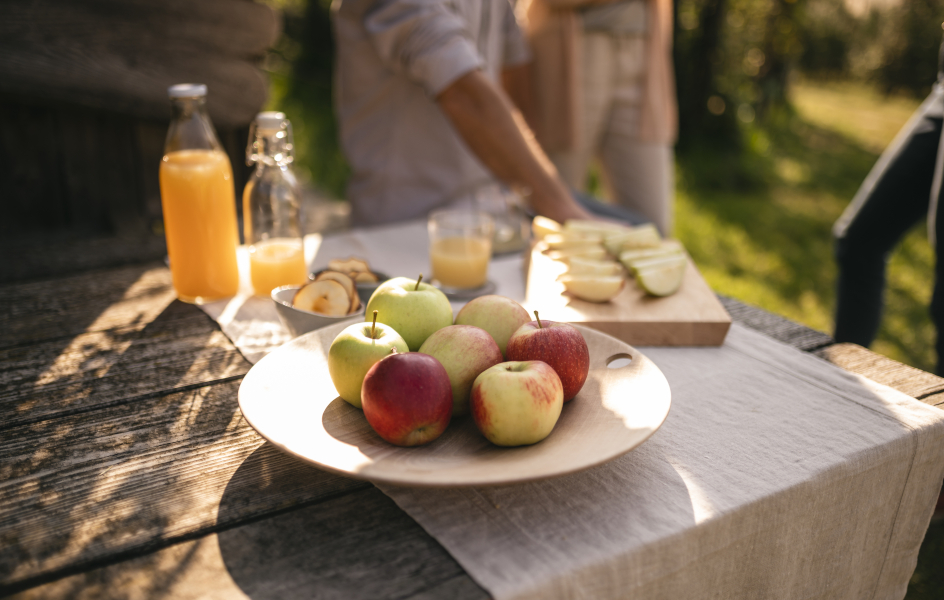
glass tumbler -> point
(460, 248)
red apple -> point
(407, 398)
(497, 315)
(517, 403)
(464, 351)
(559, 345)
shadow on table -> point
(337, 536)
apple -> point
(593, 288)
(497, 315)
(407, 398)
(464, 351)
(558, 344)
(517, 403)
(414, 309)
(355, 350)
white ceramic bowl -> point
(299, 321)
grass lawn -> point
(766, 240)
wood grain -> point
(359, 546)
(122, 55)
(909, 380)
(693, 316)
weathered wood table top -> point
(127, 470)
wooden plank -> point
(174, 351)
(122, 55)
(909, 380)
(134, 477)
(787, 331)
(693, 316)
(62, 308)
(358, 546)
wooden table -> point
(126, 469)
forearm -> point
(497, 134)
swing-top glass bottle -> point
(271, 226)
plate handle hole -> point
(618, 361)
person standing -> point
(902, 188)
(605, 88)
(423, 117)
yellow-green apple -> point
(464, 351)
(558, 344)
(407, 398)
(413, 308)
(497, 315)
(355, 350)
(517, 403)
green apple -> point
(465, 351)
(355, 351)
(414, 309)
(497, 315)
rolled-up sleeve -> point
(423, 40)
(516, 50)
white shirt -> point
(394, 58)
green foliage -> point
(301, 70)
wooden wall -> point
(84, 108)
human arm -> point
(497, 134)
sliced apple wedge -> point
(657, 261)
(542, 226)
(595, 252)
(557, 241)
(588, 266)
(662, 278)
(326, 297)
(644, 236)
(593, 288)
(602, 228)
(667, 248)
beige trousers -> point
(638, 175)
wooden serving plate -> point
(289, 399)
(693, 316)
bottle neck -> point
(190, 126)
(271, 147)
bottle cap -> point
(269, 122)
(187, 90)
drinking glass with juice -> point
(460, 248)
(198, 202)
(271, 207)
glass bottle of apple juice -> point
(198, 202)
(271, 224)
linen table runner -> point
(776, 474)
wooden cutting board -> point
(693, 316)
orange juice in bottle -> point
(270, 207)
(198, 201)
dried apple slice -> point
(366, 277)
(345, 280)
(326, 297)
(351, 265)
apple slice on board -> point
(595, 252)
(542, 226)
(644, 236)
(662, 279)
(593, 288)
(587, 266)
(326, 297)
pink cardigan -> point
(553, 30)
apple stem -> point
(418, 282)
(538, 319)
(394, 350)
(373, 327)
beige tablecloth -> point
(776, 475)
